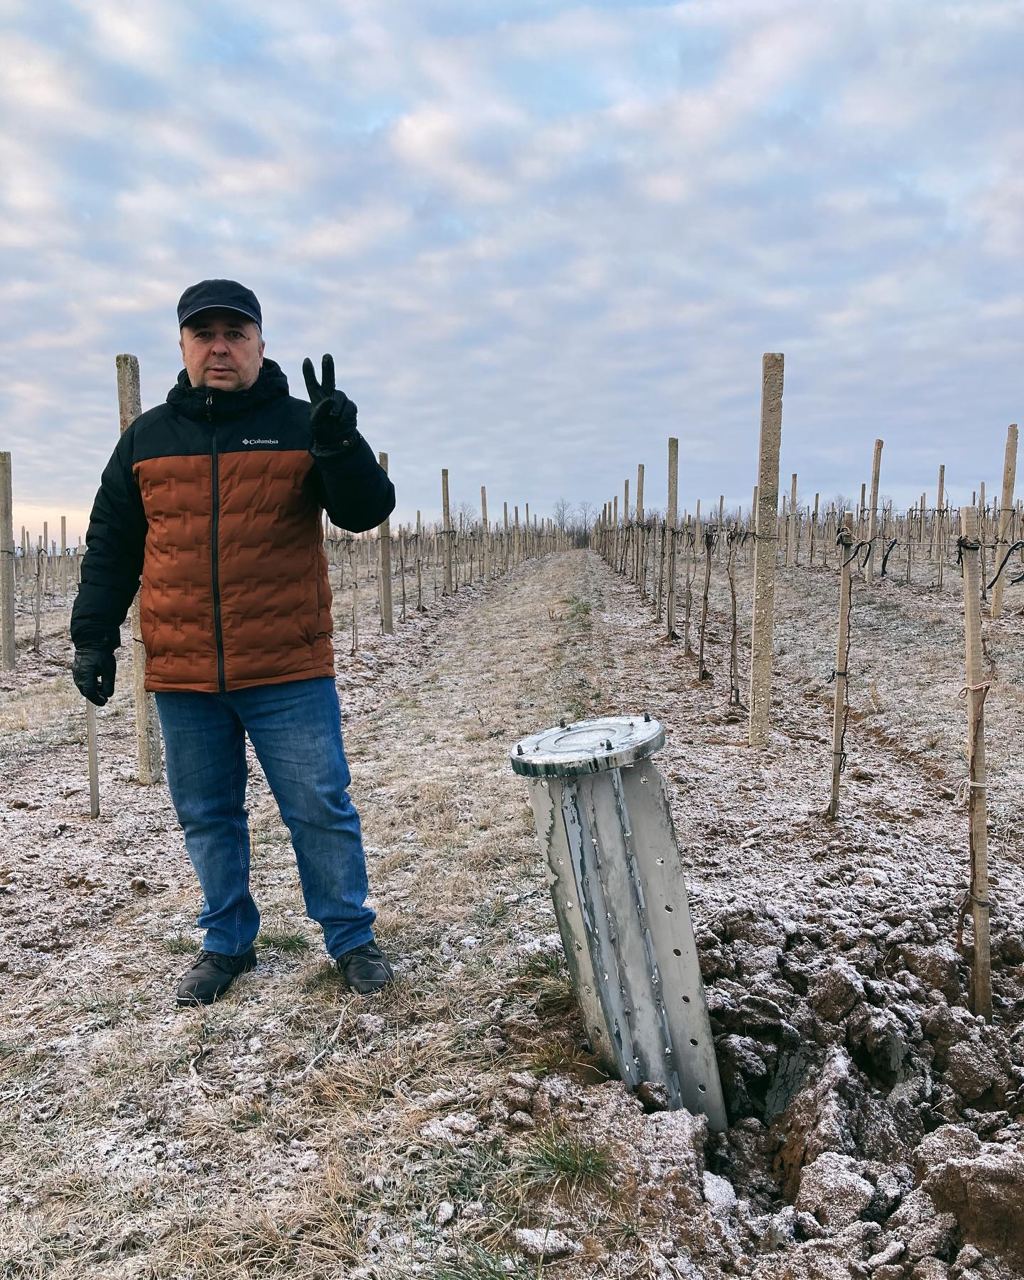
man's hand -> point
(332, 413)
(93, 672)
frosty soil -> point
(876, 1124)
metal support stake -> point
(617, 881)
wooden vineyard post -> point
(486, 533)
(982, 515)
(671, 518)
(814, 530)
(447, 532)
(791, 526)
(1005, 517)
(845, 541)
(621, 567)
(733, 539)
(876, 468)
(977, 688)
(420, 606)
(147, 727)
(401, 568)
(355, 596)
(766, 534)
(910, 540)
(387, 615)
(8, 655)
(38, 607)
(709, 540)
(640, 568)
(94, 767)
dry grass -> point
(43, 705)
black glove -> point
(331, 412)
(93, 673)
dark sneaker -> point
(212, 974)
(364, 969)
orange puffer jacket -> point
(215, 499)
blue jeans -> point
(295, 729)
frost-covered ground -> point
(456, 1127)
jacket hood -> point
(202, 403)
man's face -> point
(221, 349)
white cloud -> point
(149, 35)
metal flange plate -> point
(587, 746)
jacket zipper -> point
(215, 470)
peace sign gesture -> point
(332, 413)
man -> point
(215, 499)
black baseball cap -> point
(218, 295)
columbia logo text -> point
(259, 442)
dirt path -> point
(295, 1129)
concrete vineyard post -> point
(876, 469)
(671, 517)
(1005, 516)
(8, 655)
(619, 891)
(977, 688)
(147, 727)
(765, 543)
(387, 616)
(791, 526)
(845, 542)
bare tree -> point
(465, 515)
(585, 513)
(562, 511)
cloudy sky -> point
(539, 238)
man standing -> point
(215, 498)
